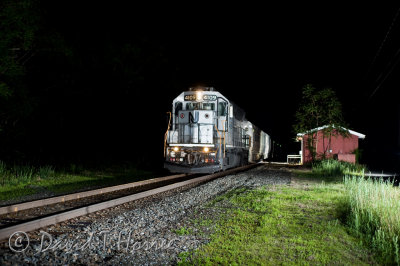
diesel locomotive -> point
(208, 133)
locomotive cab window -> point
(208, 106)
(192, 106)
(178, 107)
(221, 108)
(200, 106)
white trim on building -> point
(359, 135)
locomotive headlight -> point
(199, 96)
(206, 149)
(176, 149)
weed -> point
(21, 180)
(283, 226)
(332, 168)
(23, 173)
(183, 231)
(3, 168)
(46, 171)
(184, 258)
(3, 172)
(374, 207)
(75, 169)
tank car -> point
(208, 133)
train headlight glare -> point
(199, 96)
(206, 149)
(176, 149)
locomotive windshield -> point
(200, 106)
(178, 107)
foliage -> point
(183, 231)
(374, 208)
(282, 225)
(55, 80)
(24, 173)
(358, 152)
(22, 180)
(334, 168)
(46, 171)
(19, 25)
(3, 168)
(318, 108)
(18, 28)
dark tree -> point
(319, 108)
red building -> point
(334, 146)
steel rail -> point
(83, 194)
(57, 218)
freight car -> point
(208, 133)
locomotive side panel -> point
(265, 146)
(255, 145)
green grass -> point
(282, 225)
(328, 168)
(183, 231)
(17, 181)
(15, 191)
(46, 171)
(322, 218)
(374, 208)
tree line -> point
(67, 90)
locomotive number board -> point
(205, 97)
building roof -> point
(359, 135)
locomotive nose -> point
(196, 116)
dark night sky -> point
(258, 56)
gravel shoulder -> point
(148, 232)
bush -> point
(330, 168)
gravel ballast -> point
(145, 234)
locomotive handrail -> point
(215, 125)
(223, 128)
(166, 134)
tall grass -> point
(3, 170)
(331, 168)
(18, 174)
(375, 215)
(373, 208)
(46, 171)
(23, 173)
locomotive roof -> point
(213, 92)
(239, 112)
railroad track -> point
(18, 213)
(80, 195)
(140, 189)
